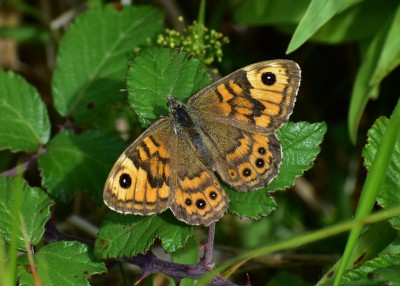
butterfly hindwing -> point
(198, 197)
(243, 159)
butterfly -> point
(227, 128)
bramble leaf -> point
(31, 204)
(79, 163)
(61, 263)
(389, 195)
(127, 235)
(159, 72)
(21, 108)
(93, 57)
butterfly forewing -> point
(161, 170)
(139, 182)
(260, 96)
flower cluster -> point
(197, 39)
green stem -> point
(202, 13)
(125, 281)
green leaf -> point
(382, 270)
(349, 24)
(362, 89)
(159, 72)
(254, 204)
(61, 263)
(318, 13)
(375, 239)
(300, 146)
(127, 235)
(93, 58)
(358, 23)
(24, 121)
(389, 57)
(33, 206)
(270, 12)
(389, 195)
(79, 163)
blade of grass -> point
(389, 57)
(363, 90)
(372, 185)
(318, 13)
(124, 277)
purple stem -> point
(21, 168)
(150, 264)
(52, 234)
(209, 246)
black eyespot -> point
(125, 181)
(188, 202)
(246, 172)
(268, 78)
(213, 195)
(260, 163)
(262, 150)
(200, 204)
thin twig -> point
(52, 234)
(209, 246)
(28, 164)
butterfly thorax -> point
(186, 126)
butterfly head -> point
(180, 113)
(173, 104)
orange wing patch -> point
(275, 87)
(253, 162)
(198, 199)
